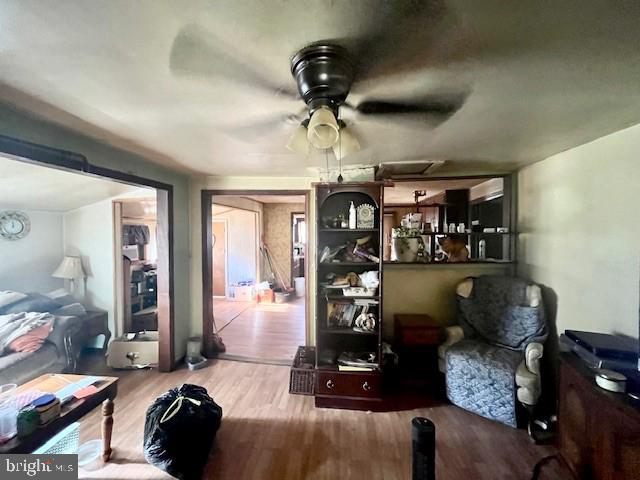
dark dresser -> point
(599, 431)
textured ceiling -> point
(33, 187)
(180, 82)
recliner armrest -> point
(532, 355)
(528, 375)
(453, 335)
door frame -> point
(226, 255)
(50, 157)
(206, 201)
(293, 215)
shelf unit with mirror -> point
(348, 314)
(478, 208)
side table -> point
(417, 337)
(92, 324)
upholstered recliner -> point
(492, 359)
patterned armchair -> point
(492, 360)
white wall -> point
(88, 232)
(242, 246)
(26, 265)
(579, 222)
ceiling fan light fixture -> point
(323, 128)
(298, 142)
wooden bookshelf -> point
(334, 388)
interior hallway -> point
(261, 331)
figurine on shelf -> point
(366, 322)
(454, 248)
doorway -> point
(254, 254)
(75, 163)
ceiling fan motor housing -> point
(324, 74)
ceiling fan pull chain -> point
(326, 159)
(340, 179)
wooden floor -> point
(261, 331)
(268, 434)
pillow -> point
(33, 302)
(71, 310)
(61, 297)
(8, 298)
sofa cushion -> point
(61, 296)
(481, 378)
(8, 298)
(22, 367)
(71, 310)
(33, 302)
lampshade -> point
(298, 142)
(323, 128)
(70, 268)
(347, 145)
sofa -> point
(58, 353)
(491, 360)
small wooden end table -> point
(417, 337)
(71, 412)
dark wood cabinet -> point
(599, 431)
(336, 388)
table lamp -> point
(70, 269)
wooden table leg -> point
(107, 428)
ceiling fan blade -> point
(413, 35)
(197, 53)
(433, 106)
(263, 127)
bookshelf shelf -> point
(333, 298)
(349, 230)
(344, 331)
(349, 264)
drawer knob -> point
(366, 387)
(330, 384)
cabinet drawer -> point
(348, 384)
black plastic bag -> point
(179, 431)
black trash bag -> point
(179, 431)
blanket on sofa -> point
(16, 325)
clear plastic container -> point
(8, 412)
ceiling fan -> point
(325, 74)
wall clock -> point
(365, 216)
(14, 225)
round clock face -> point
(14, 225)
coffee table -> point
(71, 411)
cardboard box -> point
(141, 351)
(242, 293)
(265, 295)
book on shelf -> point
(344, 314)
